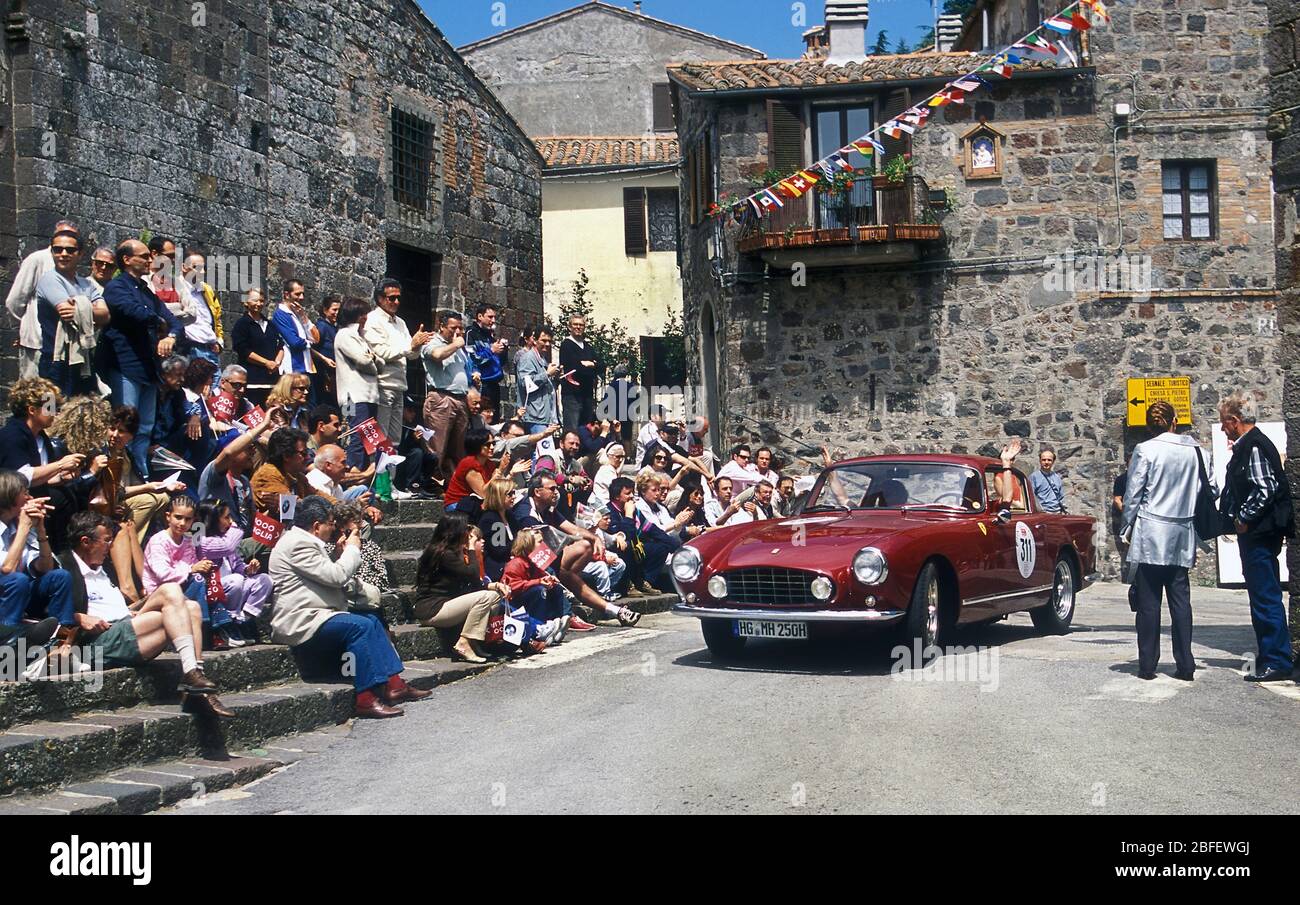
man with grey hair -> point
(23, 293)
(311, 611)
(1257, 501)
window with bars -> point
(412, 159)
(649, 220)
(1190, 193)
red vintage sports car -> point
(921, 542)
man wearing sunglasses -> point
(69, 311)
(102, 266)
(23, 293)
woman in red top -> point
(472, 472)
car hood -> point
(818, 541)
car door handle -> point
(1038, 527)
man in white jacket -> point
(22, 295)
(311, 611)
(394, 346)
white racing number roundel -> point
(1026, 553)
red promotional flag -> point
(372, 436)
(222, 407)
(266, 530)
(255, 416)
(542, 556)
(216, 590)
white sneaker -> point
(545, 631)
(561, 629)
(401, 494)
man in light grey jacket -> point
(535, 376)
(311, 612)
(1158, 520)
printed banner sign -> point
(266, 529)
(542, 556)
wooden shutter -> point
(634, 231)
(663, 108)
(784, 136)
(897, 101)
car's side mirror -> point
(1003, 517)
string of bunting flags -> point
(1040, 44)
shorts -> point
(119, 645)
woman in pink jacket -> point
(170, 556)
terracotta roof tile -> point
(749, 74)
(564, 151)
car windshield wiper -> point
(944, 507)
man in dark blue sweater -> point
(140, 332)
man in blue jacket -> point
(132, 344)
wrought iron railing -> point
(875, 210)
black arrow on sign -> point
(1136, 401)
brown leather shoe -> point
(216, 708)
(208, 704)
(409, 693)
(197, 682)
(376, 711)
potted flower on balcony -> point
(897, 169)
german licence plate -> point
(757, 628)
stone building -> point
(332, 142)
(1283, 53)
(588, 84)
(1061, 231)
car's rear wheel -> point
(924, 612)
(1055, 616)
(721, 638)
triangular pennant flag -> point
(827, 168)
(940, 100)
(967, 83)
(769, 199)
(810, 177)
(1079, 22)
(837, 160)
(864, 146)
(757, 208)
(794, 187)
(1098, 8)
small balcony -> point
(877, 222)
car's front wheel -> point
(924, 611)
(1055, 616)
(721, 638)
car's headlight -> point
(822, 587)
(687, 564)
(717, 587)
(869, 566)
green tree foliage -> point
(675, 348)
(610, 340)
(960, 7)
(882, 43)
(902, 46)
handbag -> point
(1207, 520)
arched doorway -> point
(709, 355)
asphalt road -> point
(644, 720)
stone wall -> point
(981, 340)
(590, 73)
(261, 128)
(1283, 52)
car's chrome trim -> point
(993, 597)
(703, 612)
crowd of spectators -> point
(168, 483)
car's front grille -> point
(771, 587)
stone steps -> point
(155, 683)
(43, 755)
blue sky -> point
(765, 24)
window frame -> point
(423, 178)
(1184, 167)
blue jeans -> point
(1268, 613)
(144, 396)
(356, 449)
(604, 576)
(50, 595)
(543, 604)
(196, 589)
(363, 636)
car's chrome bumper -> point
(705, 612)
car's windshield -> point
(898, 485)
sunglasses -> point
(63, 250)
(236, 386)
